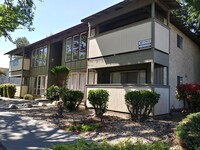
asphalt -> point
(18, 132)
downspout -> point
(22, 74)
(152, 46)
(87, 70)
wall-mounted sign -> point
(15, 62)
(143, 44)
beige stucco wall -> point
(182, 62)
(161, 37)
(120, 40)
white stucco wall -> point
(182, 62)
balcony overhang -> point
(171, 4)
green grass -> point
(84, 127)
(125, 145)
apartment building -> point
(133, 45)
(34, 62)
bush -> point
(99, 99)
(84, 127)
(8, 90)
(189, 93)
(125, 145)
(28, 97)
(1, 90)
(53, 93)
(188, 132)
(72, 99)
(140, 103)
(11, 90)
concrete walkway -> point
(18, 132)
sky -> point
(51, 17)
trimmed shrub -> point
(72, 99)
(188, 132)
(8, 90)
(84, 127)
(1, 90)
(28, 97)
(189, 93)
(141, 103)
(99, 100)
(11, 90)
(61, 74)
(124, 145)
(53, 93)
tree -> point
(21, 42)
(15, 14)
(61, 74)
(2, 72)
(190, 14)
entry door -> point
(40, 84)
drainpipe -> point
(152, 46)
(87, 70)
(22, 73)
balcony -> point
(117, 92)
(18, 65)
(130, 38)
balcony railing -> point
(17, 64)
(117, 92)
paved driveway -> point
(18, 132)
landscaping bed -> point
(115, 127)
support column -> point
(20, 94)
(152, 73)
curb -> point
(2, 147)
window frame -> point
(80, 48)
(77, 35)
(179, 41)
(71, 39)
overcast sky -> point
(52, 17)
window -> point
(39, 57)
(68, 50)
(76, 47)
(129, 77)
(83, 46)
(76, 40)
(77, 81)
(179, 80)
(39, 85)
(179, 42)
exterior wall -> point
(120, 40)
(182, 62)
(162, 37)
(121, 60)
(117, 101)
(23, 89)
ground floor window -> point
(129, 77)
(38, 85)
(77, 81)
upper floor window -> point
(39, 57)
(76, 40)
(68, 49)
(179, 42)
(76, 47)
(83, 46)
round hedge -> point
(188, 132)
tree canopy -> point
(190, 14)
(15, 14)
(21, 42)
(2, 72)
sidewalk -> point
(18, 132)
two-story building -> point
(133, 45)
(138, 45)
(33, 63)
